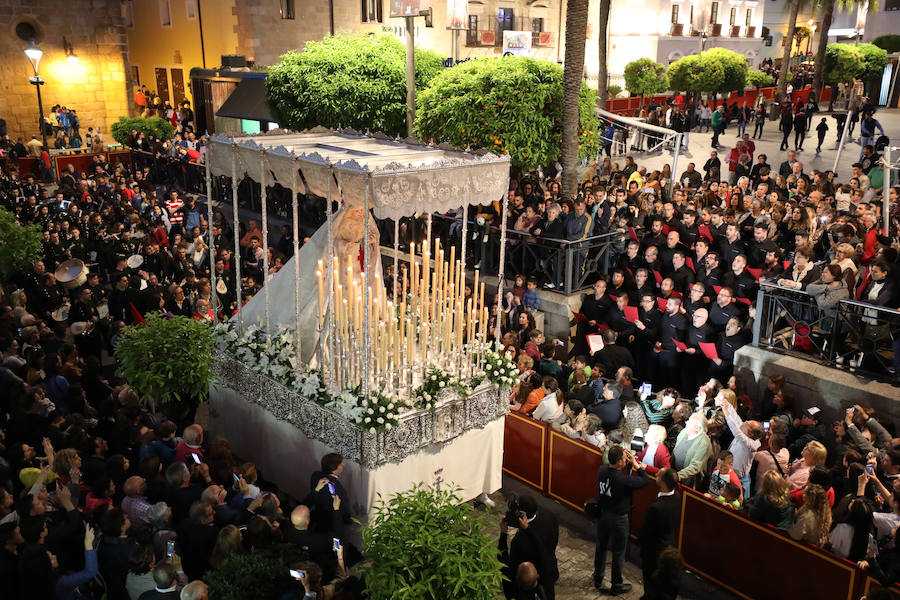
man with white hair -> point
(692, 451)
(195, 590)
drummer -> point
(83, 308)
(49, 298)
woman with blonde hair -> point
(772, 503)
(813, 454)
(813, 518)
(228, 543)
(843, 257)
(655, 454)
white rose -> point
(442, 384)
(380, 420)
(390, 405)
(496, 374)
(371, 430)
(388, 426)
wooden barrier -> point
(630, 106)
(752, 560)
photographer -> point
(614, 489)
(534, 543)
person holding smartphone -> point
(325, 484)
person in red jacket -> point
(189, 445)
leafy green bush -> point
(758, 79)
(510, 104)
(694, 75)
(645, 77)
(351, 81)
(167, 359)
(151, 126)
(843, 62)
(614, 90)
(874, 60)
(734, 69)
(259, 575)
(425, 544)
(891, 42)
(21, 245)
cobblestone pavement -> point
(575, 552)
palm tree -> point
(602, 88)
(826, 7)
(788, 42)
(573, 73)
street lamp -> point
(34, 54)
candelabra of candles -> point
(434, 324)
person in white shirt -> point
(551, 406)
(746, 440)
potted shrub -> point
(168, 361)
(427, 544)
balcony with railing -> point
(853, 336)
(487, 32)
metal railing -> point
(853, 336)
(563, 265)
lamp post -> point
(34, 55)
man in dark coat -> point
(660, 522)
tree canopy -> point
(21, 245)
(843, 62)
(645, 77)
(734, 69)
(357, 81)
(155, 126)
(874, 60)
(890, 42)
(509, 104)
(758, 79)
(693, 74)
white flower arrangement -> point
(499, 369)
(435, 382)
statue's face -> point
(352, 225)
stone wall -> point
(96, 86)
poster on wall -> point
(517, 43)
(405, 8)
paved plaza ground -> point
(699, 146)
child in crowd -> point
(723, 474)
(531, 302)
(518, 289)
(821, 129)
(579, 364)
(730, 496)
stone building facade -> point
(96, 85)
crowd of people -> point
(112, 488)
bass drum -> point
(71, 274)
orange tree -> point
(510, 104)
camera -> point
(513, 512)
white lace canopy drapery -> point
(406, 178)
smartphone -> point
(766, 426)
(869, 469)
(170, 548)
(646, 389)
(237, 480)
(297, 574)
(337, 543)
(196, 458)
(331, 488)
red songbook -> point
(661, 303)
(629, 272)
(709, 350)
(717, 288)
(579, 317)
(680, 345)
(595, 343)
(632, 234)
(690, 264)
(614, 298)
(658, 276)
(755, 272)
(666, 229)
(744, 300)
(601, 327)
(677, 295)
(704, 232)
(631, 314)
(787, 264)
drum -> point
(135, 261)
(71, 274)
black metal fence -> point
(851, 335)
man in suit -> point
(535, 543)
(660, 522)
(612, 356)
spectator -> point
(691, 451)
(772, 502)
